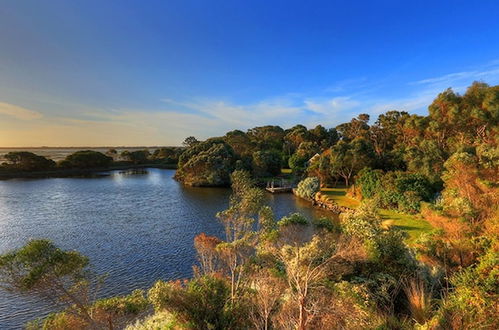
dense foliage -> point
(358, 272)
(395, 189)
(208, 163)
(86, 159)
(27, 161)
(307, 188)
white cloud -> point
(489, 74)
(205, 118)
(18, 112)
(410, 104)
(331, 106)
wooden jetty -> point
(278, 187)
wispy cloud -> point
(331, 106)
(171, 120)
(18, 112)
(415, 103)
(489, 73)
(346, 85)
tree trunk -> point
(302, 321)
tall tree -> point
(43, 269)
(347, 158)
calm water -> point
(137, 228)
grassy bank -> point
(413, 225)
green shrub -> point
(395, 190)
(203, 302)
(124, 305)
(369, 181)
(308, 187)
(87, 159)
(293, 219)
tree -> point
(299, 161)
(307, 265)
(385, 134)
(266, 163)
(267, 137)
(207, 163)
(190, 142)
(347, 158)
(208, 256)
(87, 159)
(167, 155)
(28, 161)
(468, 191)
(267, 297)
(356, 128)
(240, 143)
(42, 268)
(245, 204)
(239, 221)
(297, 135)
(137, 156)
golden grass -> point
(419, 299)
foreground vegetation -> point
(416, 246)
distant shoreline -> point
(65, 173)
(87, 147)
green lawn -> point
(413, 225)
(339, 195)
(286, 171)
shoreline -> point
(65, 173)
(322, 202)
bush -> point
(363, 222)
(308, 187)
(125, 305)
(157, 321)
(28, 161)
(395, 190)
(474, 299)
(293, 219)
(87, 159)
(203, 302)
(370, 182)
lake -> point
(137, 228)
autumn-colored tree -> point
(208, 256)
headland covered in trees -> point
(438, 173)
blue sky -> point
(93, 72)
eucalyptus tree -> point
(240, 221)
(59, 276)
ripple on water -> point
(135, 228)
